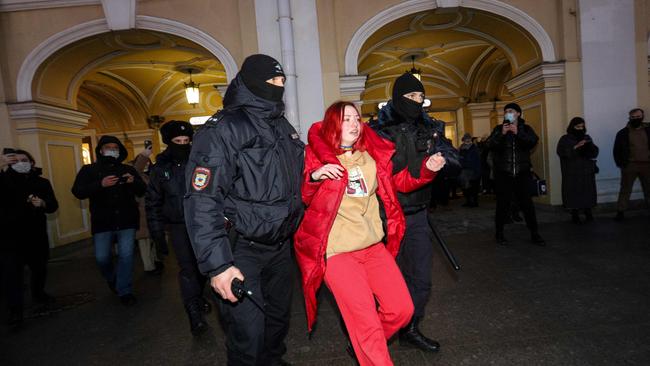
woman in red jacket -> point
(348, 181)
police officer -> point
(404, 122)
(164, 205)
(242, 206)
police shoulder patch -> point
(201, 178)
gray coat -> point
(578, 172)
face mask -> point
(22, 167)
(265, 90)
(409, 108)
(180, 152)
(636, 122)
(111, 153)
(510, 117)
(578, 133)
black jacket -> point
(165, 192)
(111, 208)
(622, 146)
(578, 172)
(246, 165)
(23, 226)
(414, 140)
(511, 153)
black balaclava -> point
(579, 134)
(180, 152)
(636, 122)
(407, 108)
(256, 70)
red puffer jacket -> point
(323, 199)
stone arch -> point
(58, 41)
(413, 6)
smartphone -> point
(122, 180)
(148, 144)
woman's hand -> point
(436, 162)
(327, 171)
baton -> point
(443, 245)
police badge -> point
(200, 178)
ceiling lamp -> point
(192, 91)
(415, 72)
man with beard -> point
(111, 188)
(632, 156)
(164, 205)
(242, 207)
(403, 121)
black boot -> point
(537, 239)
(575, 217)
(195, 310)
(589, 217)
(501, 239)
(410, 335)
(15, 320)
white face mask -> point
(22, 167)
(112, 153)
(510, 117)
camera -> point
(122, 180)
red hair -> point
(331, 127)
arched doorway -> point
(122, 83)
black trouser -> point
(415, 259)
(517, 188)
(471, 192)
(190, 279)
(12, 264)
(255, 338)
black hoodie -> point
(246, 165)
(111, 208)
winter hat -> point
(514, 106)
(173, 129)
(256, 70)
(405, 84)
(466, 136)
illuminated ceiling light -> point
(192, 91)
(415, 72)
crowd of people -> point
(243, 192)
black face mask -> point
(578, 133)
(408, 108)
(265, 90)
(180, 152)
(636, 122)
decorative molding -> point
(55, 116)
(352, 85)
(550, 76)
(193, 34)
(120, 15)
(413, 6)
(84, 30)
(20, 5)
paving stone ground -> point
(582, 300)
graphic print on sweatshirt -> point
(357, 186)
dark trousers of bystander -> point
(517, 188)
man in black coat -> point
(632, 156)
(111, 188)
(164, 205)
(25, 198)
(511, 144)
(403, 121)
(242, 207)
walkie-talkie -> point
(238, 289)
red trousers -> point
(373, 298)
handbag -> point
(538, 186)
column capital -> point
(31, 117)
(548, 77)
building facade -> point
(74, 70)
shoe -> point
(411, 336)
(516, 217)
(537, 240)
(589, 217)
(620, 216)
(195, 311)
(111, 286)
(15, 320)
(207, 308)
(575, 218)
(128, 300)
(43, 299)
(501, 240)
